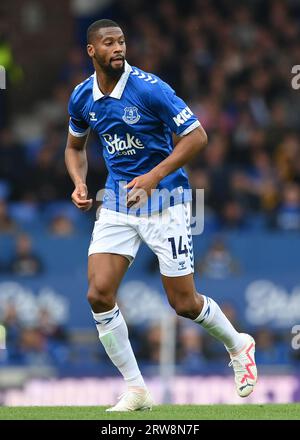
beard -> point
(110, 71)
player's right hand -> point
(79, 197)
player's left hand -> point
(141, 189)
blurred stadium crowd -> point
(48, 344)
(232, 63)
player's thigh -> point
(106, 270)
(112, 249)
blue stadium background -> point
(232, 64)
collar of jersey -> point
(119, 87)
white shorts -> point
(167, 234)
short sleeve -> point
(77, 125)
(173, 110)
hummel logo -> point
(181, 265)
(92, 116)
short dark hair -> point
(99, 24)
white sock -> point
(113, 334)
(215, 322)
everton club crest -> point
(131, 115)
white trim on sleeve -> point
(76, 134)
(190, 128)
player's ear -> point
(90, 50)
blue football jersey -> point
(134, 124)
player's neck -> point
(106, 83)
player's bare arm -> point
(77, 166)
(185, 150)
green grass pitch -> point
(160, 412)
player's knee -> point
(100, 301)
(185, 305)
(100, 296)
